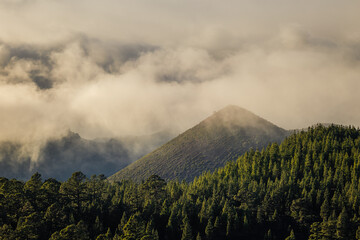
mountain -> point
(59, 158)
(221, 137)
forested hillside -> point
(220, 138)
(305, 188)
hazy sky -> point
(123, 67)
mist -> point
(132, 68)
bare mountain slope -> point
(223, 136)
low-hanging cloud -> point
(132, 68)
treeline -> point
(305, 188)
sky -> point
(133, 67)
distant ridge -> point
(60, 157)
(221, 137)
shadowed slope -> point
(60, 157)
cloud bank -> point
(120, 68)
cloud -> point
(163, 22)
(166, 87)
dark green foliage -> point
(291, 236)
(305, 188)
(78, 231)
(75, 191)
(218, 139)
(209, 230)
(187, 232)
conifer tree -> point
(315, 231)
(209, 230)
(198, 236)
(186, 232)
(325, 209)
(342, 225)
(291, 236)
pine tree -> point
(106, 236)
(75, 190)
(315, 231)
(187, 232)
(209, 230)
(291, 236)
(325, 209)
(134, 228)
(328, 230)
(217, 228)
(358, 233)
(32, 190)
(98, 226)
(268, 235)
(342, 225)
(78, 231)
(198, 237)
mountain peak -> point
(232, 116)
(234, 113)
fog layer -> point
(118, 68)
